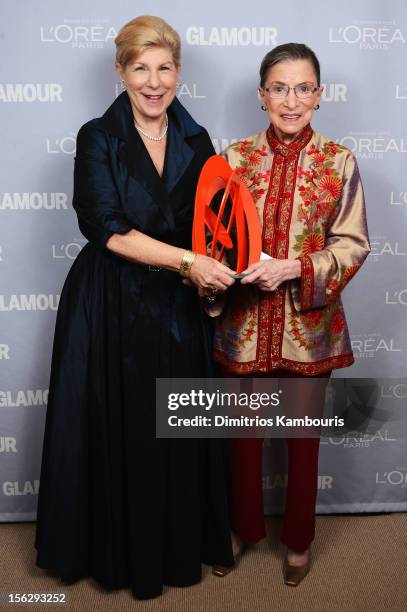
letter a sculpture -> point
(212, 231)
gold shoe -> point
(293, 574)
(223, 570)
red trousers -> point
(247, 513)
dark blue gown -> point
(115, 503)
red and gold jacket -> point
(311, 206)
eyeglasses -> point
(278, 90)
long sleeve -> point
(96, 199)
(325, 273)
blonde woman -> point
(115, 503)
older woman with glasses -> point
(285, 318)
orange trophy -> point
(236, 217)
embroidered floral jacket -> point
(310, 201)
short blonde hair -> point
(145, 32)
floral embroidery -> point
(335, 285)
(243, 146)
(350, 272)
(309, 242)
(319, 193)
(312, 319)
(253, 158)
(337, 324)
(329, 321)
(332, 147)
(298, 335)
(242, 323)
(250, 158)
(330, 186)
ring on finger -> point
(212, 297)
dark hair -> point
(289, 51)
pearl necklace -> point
(156, 138)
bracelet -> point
(186, 263)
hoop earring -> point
(123, 85)
(263, 108)
(316, 107)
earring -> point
(123, 85)
(178, 85)
(316, 107)
(260, 98)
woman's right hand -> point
(208, 274)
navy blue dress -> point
(115, 503)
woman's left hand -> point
(268, 274)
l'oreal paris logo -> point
(79, 34)
(394, 390)
(185, 90)
(359, 439)
(398, 198)
(381, 247)
(397, 477)
(373, 145)
(69, 250)
(65, 145)
(374, 344)
(367, 35)
(397, 297)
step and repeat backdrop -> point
(57, 72)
